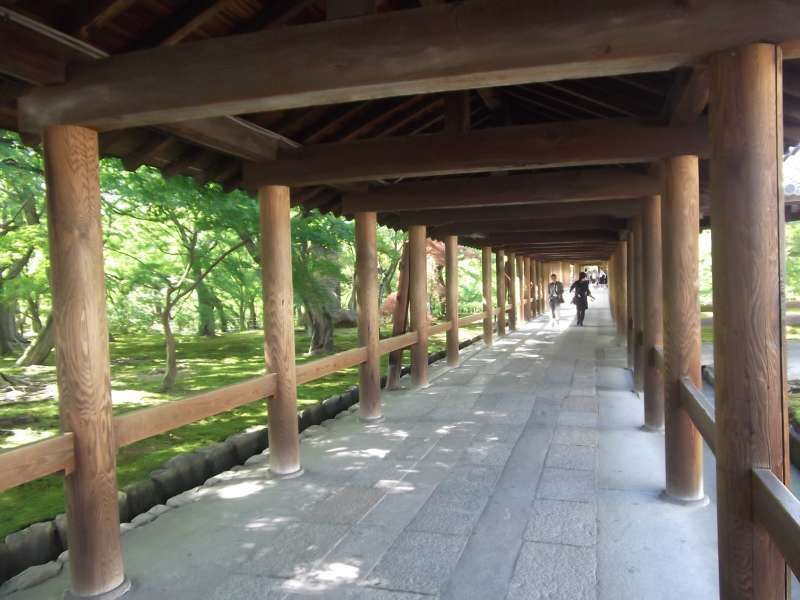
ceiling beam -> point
(464, 45)
(541, 187)
(529, 225)
(688, 97)
(567, 143)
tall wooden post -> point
(276, 281)
(630, 282)
(526, 287)
(621, 277)
(418, 294)
(653, 312)
(749, 347)
(399, 321)
(680, 212)
(486, 281)
(451, 293)
(500, 268)
(513, 290)
(369, 375)
(82, 360)
(534, 288)
(638, 301)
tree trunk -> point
(205, 307)
(37, 352)
(253, 320)
(33, 309)
(242, 317)
(223, 318)
(171, 371)
(321, 325)
(10, 338)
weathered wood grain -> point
(418, 295)
(486, 288)
(369, 372)
(653, 310)
(451, 297)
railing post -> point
(82, 360)
(653, 313)
(500, 267)
(513, 289)
(486, 281)
(746, 124)
(418, 294)
(680, 210)
(399, 320)
(534, 288)
(526, 287)
(638, 306)
(369, 376)
(276, 281)
(451, 301)
(630, 284)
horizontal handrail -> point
(36, 460)
(321, 367)
(398, 342)
(778, 511)
(146, 422)
(440, 328)
(470, 319)
(700, 410)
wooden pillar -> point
(749, 347)
(500, 268)
(486, 280)
(621, 277)
(653, 311)
(418, 295)
(638, 303)
(513, 290)
(680, 215)
(82, 360)
(534, 288)
(630, 284)
(451, 293)
(369, 375)
(526, 289)
(276, 281)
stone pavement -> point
(521, 474)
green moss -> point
(136, 361)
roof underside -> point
(38, 53)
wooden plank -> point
(322, 367)
(397, 342)
(32, 461)
(470, 319)
(440, 328)
(701, 411)
(777, 509)
(482, 43)
(154, 420)
(544, 145)
(232, 135)
(537, 188)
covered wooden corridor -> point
(522, 473)
(543, 134)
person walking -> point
(555, 292)
(582, 293)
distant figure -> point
(581, 296)
(555, 291)
(603, 279)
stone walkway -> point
(520, 474)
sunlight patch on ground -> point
(19, 437)
(133, 397)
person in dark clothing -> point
(581, 296)
(555, 293)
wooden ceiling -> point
(42, 42)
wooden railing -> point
(775, 507)
(56, 454)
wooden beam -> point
(101, 13)
(482, 43)
(369, 373)
(196, 21)
(451, 297)
(537, 188)
(529, 225)
(688, 97)
(151, 148)
(568, 143)
(418, 300)
(653, 311)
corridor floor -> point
(520, 474)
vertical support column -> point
(621, 277)
(638, 304)
(418, 294)
(680, 212)
(749, 346)
(369, 375)
(276, 282)
(451, 300)
(526, 289)
(82, 360)
(500, 268)
(486, 281)
(534, 288)
(513, 289)
(653, 313)
(399, 321)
